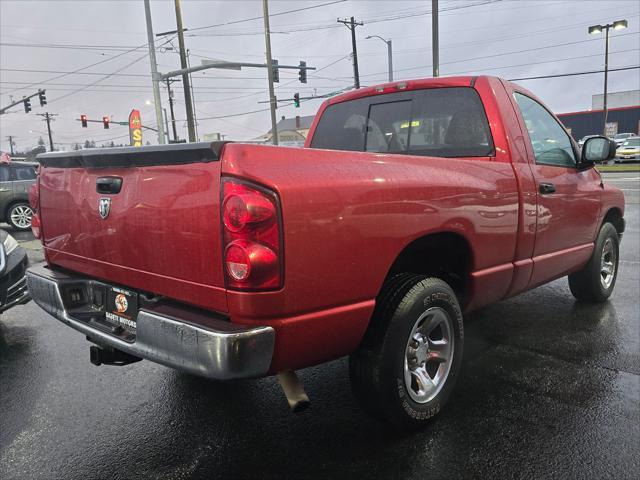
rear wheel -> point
(19, 216)
(595, 282)
(407, 366)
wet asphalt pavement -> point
(549, 388)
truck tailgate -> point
(159, 233)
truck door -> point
(568, 198)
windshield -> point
(632, 142)
(622, 135)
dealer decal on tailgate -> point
(122, 307)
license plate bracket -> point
(121, 308)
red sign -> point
(135, 128)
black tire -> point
(587, 285)
(377, 368)
(18, 223)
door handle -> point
(108, 184)
(547, 188)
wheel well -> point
(614, 217)
(444, 255)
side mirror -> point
(597, 150)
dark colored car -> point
(13, 264)
(15, 180)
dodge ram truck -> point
(411, 203)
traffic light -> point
(105, 122)
(302, 75)
(274, 69)
(27, 105)
(42, 98)
(296, 100)
(83, 120)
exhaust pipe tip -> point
(294, 391)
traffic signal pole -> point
(23, 100)
(272, 97)
(155, 76)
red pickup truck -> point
(411, 203)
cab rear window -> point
(441, 122)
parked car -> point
(584, 139)
(15, 180)
(13, 264)
(621, 137)
(411, 203)
(629, 150)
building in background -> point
(616, 99)
(623, 116)
(291, 131)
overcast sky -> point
(40, 41)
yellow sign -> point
(135, 128)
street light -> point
(594, 30)
(389, 53)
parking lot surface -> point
(549, 388)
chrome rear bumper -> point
(220, 350)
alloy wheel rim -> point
(21, 216)
(428, 355)
(607, 264)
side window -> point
(23, 172)
(388, 127)
(4, 173)
(449, 122)
(551, 144)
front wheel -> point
(595, 282)
(19, 216)
(407, 366)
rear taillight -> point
(34, 201)
(252, 241)
(35, 225)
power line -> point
(99, 80)
(261, 17)
(498, 54)
(573, 74)
(331, 26)
(77, 71)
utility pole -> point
(185, 76)
(11, 144)
(157, 101)
(434, 39)
(193, 98)
(273, 103)
(351, 25)
(47, 117)
(173, 117)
